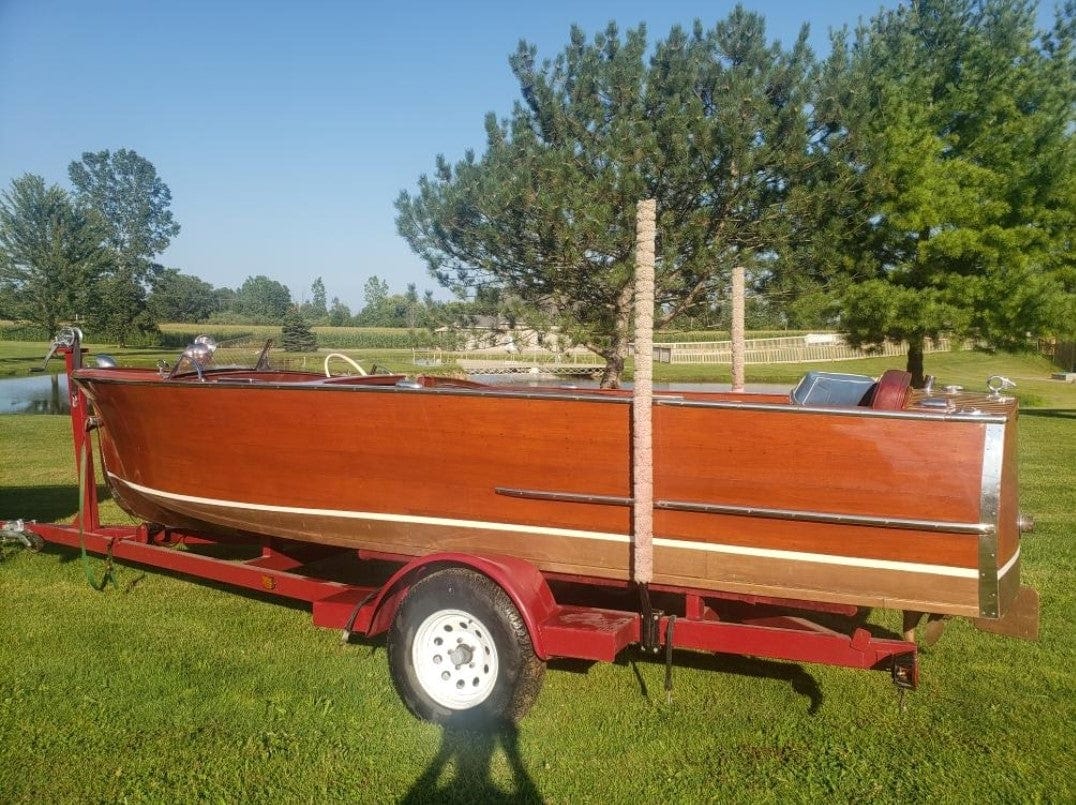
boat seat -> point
(891, 390)
(832, 389)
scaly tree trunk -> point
(616, 353)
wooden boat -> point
(847, 491)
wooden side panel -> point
(391, 451)
(820, 462)
(415, 471)
(871, 542)
(827, 464)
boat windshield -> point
(207, 353)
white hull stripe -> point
(1009, 565)
(736, 550)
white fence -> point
(792, 349)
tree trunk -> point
(611, 374)
(915, 360)
(617, 353)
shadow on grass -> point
(45, 504)
(1052, 413)
(801, 682)
(469, 753)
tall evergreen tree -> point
(318, 299)
(963, 114)
(50, 253)
(296, 334)
(712, 126)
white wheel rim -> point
(455, 659)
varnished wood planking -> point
(442, 455)
(958, 550)
(915, 469)
(697, 569)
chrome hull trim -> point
(832, 518)
(564, 497)
(560, 394)
(835, 411)
(989, 507)
(795, 515)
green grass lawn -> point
(168, 690)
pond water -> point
(37, 394)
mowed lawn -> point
(168, 690)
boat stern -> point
(1005, 606)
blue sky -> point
(285, 130)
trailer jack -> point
(904, 672)
(649, 627)
(15, 533)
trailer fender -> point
(519, 579)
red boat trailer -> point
(566, 625)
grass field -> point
(168, 690)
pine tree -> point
(963, 114)
(712, 126)
(296, 334)
(50, 253)
(317, 292)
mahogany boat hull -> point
(908, 509)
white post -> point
(642, 397)
(739, 346)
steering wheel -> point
(345, 358)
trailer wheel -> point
(460, 653)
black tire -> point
(460, 654)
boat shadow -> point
(1052, 413)
(466, 758)
(42, 504)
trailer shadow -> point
(468, 756)
(799, 679)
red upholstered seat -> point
(891, 390)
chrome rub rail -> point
(797, 515)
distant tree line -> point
(89, 256)
(90, 252)
(177, 297)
